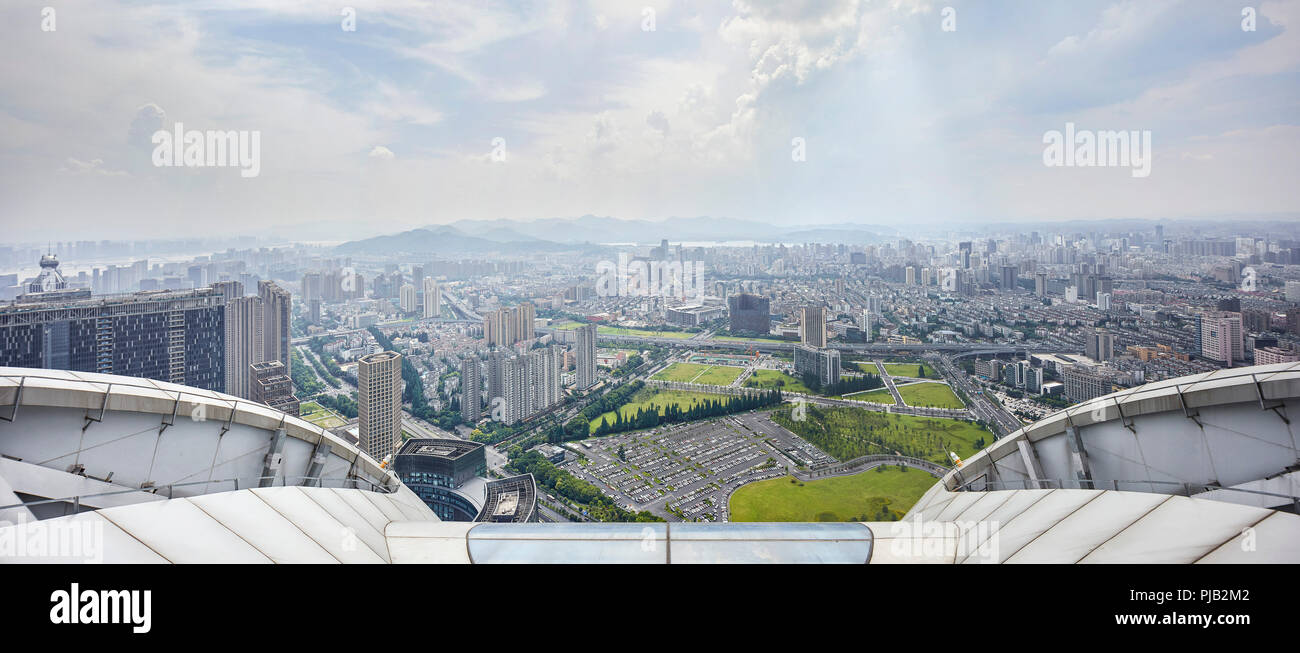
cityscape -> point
(881, 283)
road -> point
(984, 408)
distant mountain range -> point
(557, 234)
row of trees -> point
(845, 385)
(304, 380)
(847, 433)
(564, 484)
(341, 404)
(413, 394)
(650, 417)
(578, 427)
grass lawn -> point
(659, 399)
(680, 372)
(844, 498)
(906, 369)
(775, 378)
(719, 375)
(881, 396)
(930, 395)
(320, 415)
(847, 433)
(619, 331)
(567, 325)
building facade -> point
(271, 385)
(471, 384)
(379, 403)
(750, 314)
(812, 326)
(173, 336)
(585, 356)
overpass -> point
(965, 348)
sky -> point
(792, 112)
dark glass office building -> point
(435, 468)
(173, 336)
(750, 313)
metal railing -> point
(310, 481)
(1114, 484)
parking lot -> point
(688, 471)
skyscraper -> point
(379, 403)
(864, 323)
(585, 356)
(276, 321)
(244, 339)
(508, 326)
(530, 383)
(1221, 337)
(432, 298)
(812, 326)
(407, 298)
(251, 337)
(471, 384)
(1008, 281)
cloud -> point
(381, 152)
(93, 167)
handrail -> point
(1024, 484)
(76, 499)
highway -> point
(984, 408)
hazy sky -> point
(393, 125)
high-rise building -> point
(407, 298)
(1040, 284)
(1008, 281)
(585, 356)
(823, 363)
(530, 383)
(1293, 291)
(173, 336)
(379, 403)
(471, 385)
(271, 385)
(508, 326)
(250, 332)
(1100, 345)
(864, 323)
(244, 339)
(276, 321)
(432, 298)
(750, 313)
(812, 327)
(1221, 337)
